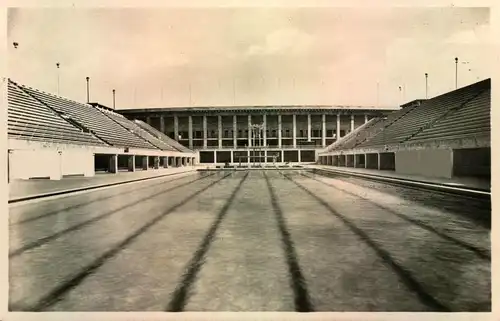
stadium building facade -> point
(264, 134)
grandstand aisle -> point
(246, 241)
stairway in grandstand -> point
(374, 127)
(135, 129)
(462, 113)
(160, 135)
(29, 119)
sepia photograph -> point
(249, 159)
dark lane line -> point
(405, 276)
(297, 280)
(181, 293)
(483, 254)
(72, 207)
(57, 293)
(88, 222)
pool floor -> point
(246, 241)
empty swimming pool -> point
(250, 241)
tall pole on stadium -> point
(88, 94)
(456, 72)
(426, 87)
(114, 101)
(57, 65)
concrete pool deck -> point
(459, 182)
(20, 190)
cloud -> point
(283, 41)
(479, 35)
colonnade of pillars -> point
(235, 129)
(380, 161)
(158, 162)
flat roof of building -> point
(246, 108)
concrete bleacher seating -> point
(133, 127)
(153, 131)
(471, 120)
(372, 129)
(351, 139)
(446, 136)
(425, 115)
(86, 115)
(28, 119)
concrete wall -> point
(430, 163)
(25, 164)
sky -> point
(177, 57)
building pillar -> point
(354, 161)
(265, 156)
(176, 128)
(89, 168)
(378, 161)
(205, 131)
(366, 118)
(235, 131)
(338, 127)
(294, 130)
(249, 131)
(248, 157)
(113, 164)
(308, 127)
(162, 124)
(298, 156)
(131, 163)
(232, 157)
(190, 131)
(264, 134)
(193, 161)
(279, 132)
(165, 161)
(366, 160)
(145, 162)
(215, 156)
(219, 131)
(282, 156)
(352, 123)
(323, 130)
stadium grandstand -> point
(445, 136)
(53, 137)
